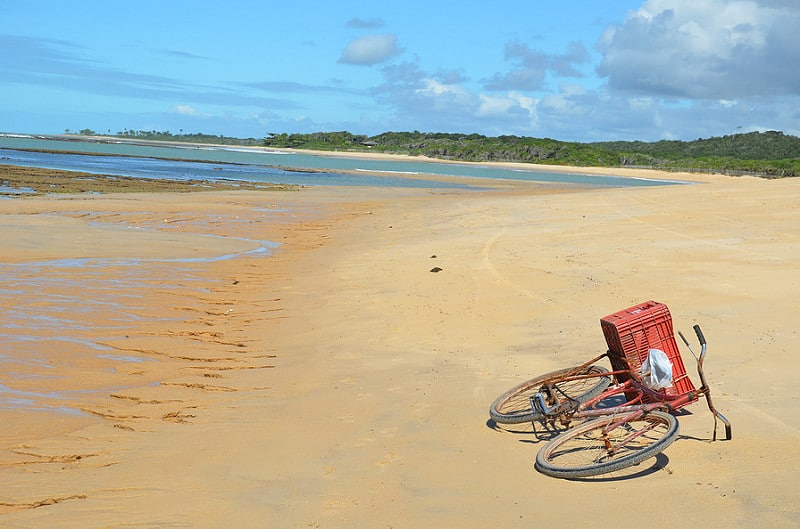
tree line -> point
(155, 135)
(770, 154)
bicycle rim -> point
(514, 406)
(588, 450)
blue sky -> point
(577, 70)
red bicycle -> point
(630, 417)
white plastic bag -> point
(657, 370)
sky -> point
(575, 70)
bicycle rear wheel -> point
(588, 450)
(514, 406)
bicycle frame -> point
(644, 401)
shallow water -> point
(262, 166)
(58, 314)
(256, 170)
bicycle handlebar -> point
(699, 334)
(705, 388)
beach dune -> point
(339, 382)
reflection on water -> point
(202, 170)
(60, 314)
(56, 319)
(187, 162)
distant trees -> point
(771, 154)
(82, 132)
(328, 141)
(197, 137)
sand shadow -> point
(535, 432)
(657, 463)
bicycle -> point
(615, 436)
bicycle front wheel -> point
(564, 385)
(596, 447)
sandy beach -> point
(163, 366)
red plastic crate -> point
(632, 332)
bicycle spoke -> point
(557, 389)
(607, 444)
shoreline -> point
(25, 181)
(650, 174)
(344, 330)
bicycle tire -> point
(581, 451)
(514, 407)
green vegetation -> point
(154, 135)
(771, 154)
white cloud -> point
(673, 69)
(533, 66)
(501, 106)
(187, 110)
(370, 49)
(362, 23)
(705, 49)
(433, 88)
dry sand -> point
(339, 383)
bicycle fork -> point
(704, 385)
(611, 446)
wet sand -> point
(338, 382)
